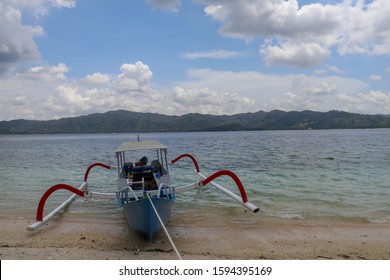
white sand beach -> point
(68, 238)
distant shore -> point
(122, 121)
(275, 239)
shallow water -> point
(314, 176)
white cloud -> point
(333, 69)
(64, 3)
(45, 72)
(69, 98)
(285, 92)
(97, 78)
(378, 98)
(322, 88)
(206, 101)
(129, 90)
(170, 5)
(20, 100)
(367, 28)
(134, 77)
(17, 43)
(16, 40)
(367, 102)
(304, 35)
(248, 19)
(45, 92)
(375, 77)
(214, 54)
(294, 54)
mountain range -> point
(127, 121)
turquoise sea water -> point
(314, 175)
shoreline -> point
(66, 238)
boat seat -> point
(156, 166)
(146, 177)
(127, 168)
(138, 175)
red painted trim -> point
(191, 157)
(233, 176)
(54, 188)
(92, 166)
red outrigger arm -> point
(92, 166)
(189, 156)
(233, 176)
(242, 200)
(54, 188)
(81, 191)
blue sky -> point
(61, 58)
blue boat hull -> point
(141, 217)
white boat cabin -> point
(142, 165)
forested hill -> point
(125, 121)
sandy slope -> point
(273, 239)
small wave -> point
(292, 216)
(379, 220)
(287, 216)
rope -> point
(166, 232)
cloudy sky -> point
(61, 58)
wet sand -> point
(74, 238)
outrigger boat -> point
(144, 189)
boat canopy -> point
(143, 145)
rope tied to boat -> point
(164, 228)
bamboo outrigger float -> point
(144, 190)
